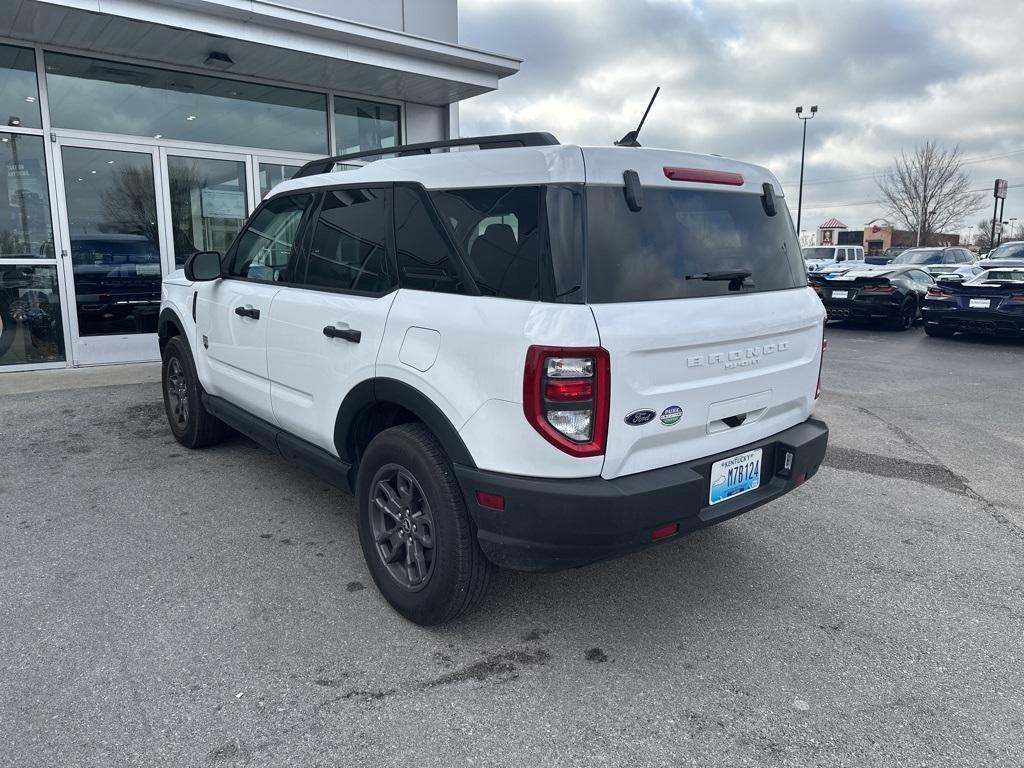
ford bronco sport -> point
(527, 355)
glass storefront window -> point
(272, 174)
(361, 125)
(19, 92)
(113, 97)
(115, 250)
(30, 318)
(208, 204)
(25, 226)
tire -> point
(904, 320)
(938, 331)
(409, 502)
(191, 424)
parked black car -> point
(992, 303)
(889, 294)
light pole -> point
(803, 151)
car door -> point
(232, 314)
(325, 331)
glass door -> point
(206, 200)
(112, 258)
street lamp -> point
(803, 150)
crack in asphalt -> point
(935, 474)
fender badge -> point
(639, 417)
(671, 415)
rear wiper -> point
(734, 276)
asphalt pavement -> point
(165, 607)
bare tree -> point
(928, 191)
(983, 237)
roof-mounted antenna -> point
(629, 140)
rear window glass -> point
(660, 251)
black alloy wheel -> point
(176, 386)
(904, 321)
(402, 527)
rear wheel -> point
(417, 537)
(904, 319)
(938, 331)
(191, 424)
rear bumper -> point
(550, 524)
(974, 321)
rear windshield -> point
(660, 251)
(921, 256)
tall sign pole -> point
(999, 193)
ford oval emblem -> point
(640, 417)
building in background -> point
(135, 133)
(880, 234)
(828, 232)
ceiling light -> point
(30, 99)
(218, 60)
(79, 179)
(14, 121)
(190, 117)
(92, 171)
(110, 162)
(4, 139)
(158, 136)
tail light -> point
(566, 395)
(878, 289)
(1016, 298)
(821, 361)
(934, 292)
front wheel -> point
(191, 424)
(417, 537)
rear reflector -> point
(569, 389)
(490, 501)
(665, 531)
(703, 176)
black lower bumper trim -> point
(549, 524)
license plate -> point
(980, 303)
(734, 476)
(840, 294)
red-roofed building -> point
(828, 233)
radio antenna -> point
(629, 140)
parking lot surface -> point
(167, 607)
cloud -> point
(887, 76)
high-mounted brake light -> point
(566, 396)
(703, 176)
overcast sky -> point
(886, 76)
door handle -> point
(347, 334)
(248, 312)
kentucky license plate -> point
(840, 294)
(980, 303)
(736, 475)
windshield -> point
(819, 253)
(663, 250)
(1008, 251)
(919, 256)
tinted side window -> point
(265, 250)
(501, 234)
(348, 250)
(423, 251)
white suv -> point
(527, 355)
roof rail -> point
(500, 141)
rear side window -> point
(265, 249)
(661, 251)
(423, 251)
(501, 234)
(348, 250)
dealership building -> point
(136, 132)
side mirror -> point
(202, 266)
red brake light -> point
(569, 389)
(934, 292)
(1016, 297)
(703, 176)
(824, 346)
(878, 289)
(565, 397)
